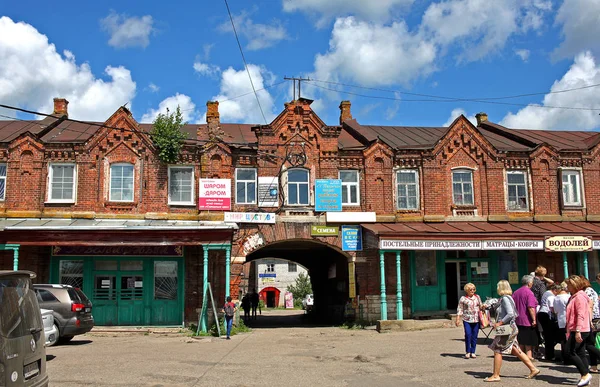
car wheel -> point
(66, 339)
(54, 340)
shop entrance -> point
(456, 279)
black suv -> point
(22, 351)
(71, 308)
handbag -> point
(596, 325)
(484, 316)
(503, 330)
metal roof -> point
(111, 224)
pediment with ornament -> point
(463, 136)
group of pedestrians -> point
(568, 314)
(250, 302)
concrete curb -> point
(412, 325)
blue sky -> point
(100, 55)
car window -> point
(45, 296)
(82, 296)
(77, 295)
(19, 310)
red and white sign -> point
(215, 194)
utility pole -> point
(299, 80)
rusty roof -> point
(461, 230)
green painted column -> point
(399, 312)
(383, 296)
(16, 258)
(565, 265)
(585, 264)
(205, 290)
(227, 271)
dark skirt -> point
(527, 336)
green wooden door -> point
(104, 298)
(130, 300)
(425, 281)
(167, 292)
(478, 273)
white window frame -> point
(525, 183)
(349, 186)
(50, 178)
(3, 197)
(270, 268)
(255, 181)
(299, 185)
(571, 172)
(463, 170)
(110, 182)
(176, 202)
(417, 190)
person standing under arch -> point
(254, 300)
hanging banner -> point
(328, 195)
(568, 243)
(214, 194)
(268, 191)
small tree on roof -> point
(167, 136)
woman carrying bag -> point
(469, 308)
(506, 331)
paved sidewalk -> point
(290, 356)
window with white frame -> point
(2, 181)
(571, 187)
(516, 184)
(245, 186)
(407, 183)
(462, 187)
(350, 188)
(270, 268)
(297, 187)
(181, 185)
(61, 179)
(121, 183)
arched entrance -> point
(328, 269)
(270, 296)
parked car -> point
(307, 302)
(71, 308)
(50, 330)
(22, 350)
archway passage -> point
(328, 270)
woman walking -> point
(578, 327)
(507, 344)
(547, 321)
(590, 344)
(468, 309)
(559, 308)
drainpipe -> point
(383, 296)
(565, 265)
(399, 311)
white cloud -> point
(32, 73)
(372, 54)
(245, 109)
(188, 108)
(325, 11)
(457, 112)
(523, 54)
(583, 72)
(259, 36)
(128, 32)
(206, 69)
(580, 20)
(153, 88)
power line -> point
(457, 100)
(245, 64)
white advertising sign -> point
(513, 245)
(250, 217)
(396, 244)
(268, 191)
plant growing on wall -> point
(167, 136)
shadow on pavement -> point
(49, 357)
(286, 319)
(457, 355)
(76, 342)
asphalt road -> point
(293, 355)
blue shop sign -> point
(351, 238)
(267, 275)
(328, 195)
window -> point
(292, 267)
(407, 182)
(121, 183)
(571, 188)
(61, 187)
(516, 182)
(426, 270)
(166, 282)
(71, 273)
(350, 190)
(181, 185)
(462, 187)
(45, 296)
(2, 181)
(270, 268)
(298, 187)
(245, 186)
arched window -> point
(121, 183)
(297, 187)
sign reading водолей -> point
(568, 243)
(324, 230)
(214, 194)
(351, 238)
(328, 195)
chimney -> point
(481, 117)
(345, 111)
(212, 114)
(60, 107)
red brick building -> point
(433, 208)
